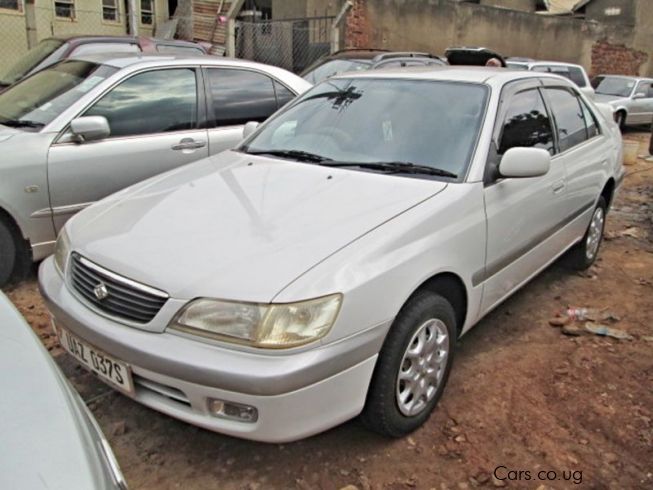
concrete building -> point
(605, 36)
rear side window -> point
(526, 123)
(283, 94)
(240, 96)
(157, 101)
(569, 118)
(92, 48)
(590, 121)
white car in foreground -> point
(326, 267)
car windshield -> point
(620, 87)
(29, 60)
(373, 121)
(37, 100)
(334, 67)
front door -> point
(641, 106)
(155, 119)
(521, 212)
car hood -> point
(237, 226)
(609, 99)
(46, 442)
(7, 132)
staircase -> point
(210, 23)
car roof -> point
(458, 73)
(541, 63)
(123, 60)
(89, 38)
(626, 77)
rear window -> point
(573, 73)
(577, 76)
(93, 48)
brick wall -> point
(357, 26)
(616, 59)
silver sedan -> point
(86, 128)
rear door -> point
(583, 150)
(522, 213)
(237, 96)
(156, 119)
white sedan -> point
(325, 268)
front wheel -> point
(413, 366)
(585, 252)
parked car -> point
(82, 129)
(53, 49)
(631, 98)
(326, 267)
(575, 73)
(356, 59)
(49, 438)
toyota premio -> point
(326, 267)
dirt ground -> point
(523, 396)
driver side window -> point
(526, 123)
(157, 101)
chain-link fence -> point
(290, 44)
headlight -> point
(274, 326)
(62, 251)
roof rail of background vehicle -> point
(627, 77)
(403, 54)
(458, 73)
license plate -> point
(116, 373)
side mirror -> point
(521, 162)
(639, 95)
(249, 128)
(90, 128)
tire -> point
(584, 253)
(620, 118)
(427, 317)
(7, 253)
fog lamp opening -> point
(233, 411)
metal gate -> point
(291, 44)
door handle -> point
(558, 186)
(188, 144)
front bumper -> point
(297, 394)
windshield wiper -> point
(300, 155)
(20, 123)
(395, 167)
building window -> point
(147, 12)
(11, 5)
(110, 10)
(64, 8)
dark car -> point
(357, 59)
(53, 49)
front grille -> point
(116, 295)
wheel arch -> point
(450, 286)
(608, 192)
